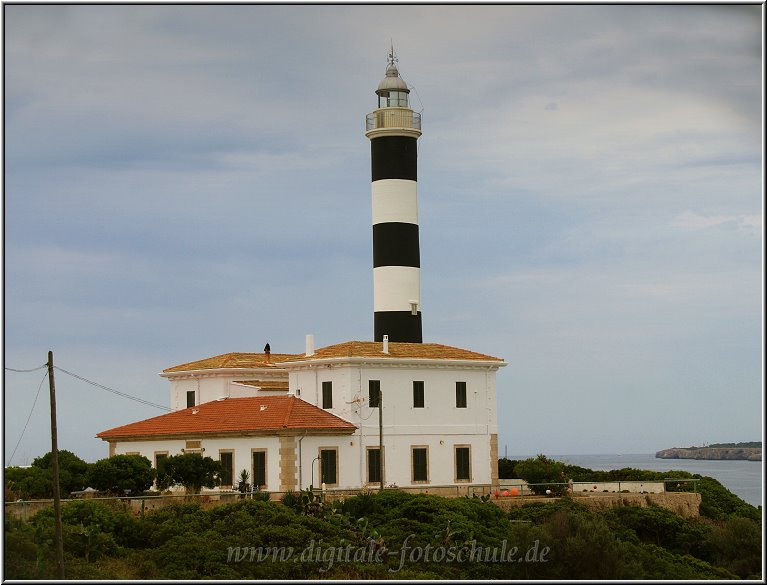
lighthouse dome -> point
(392, 81)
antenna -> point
(392, 56)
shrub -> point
(189, 470)
(543, 474)
(122, 474)
(28, 483)
(36, 481)
(290, 499)
(506, 468)
(736, 545)
(20, 551)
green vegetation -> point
(116, 475)
(746, 445)
(35, 481)
(396, 535)
(189, 470)
(718, 503)
(119, 474)
(544, 476)
(393, 535)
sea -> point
(743, 478)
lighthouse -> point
(393, 129)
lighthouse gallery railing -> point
(393, 118)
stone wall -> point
(686, 504)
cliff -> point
(743, 453)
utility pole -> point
(380, 438)
(58, 536)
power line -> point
(30, 413)
(112, 390)
(32, 370)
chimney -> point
(386, 344)
(268, 352)
(309, 345)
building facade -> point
(322, 417)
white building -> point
(293, 420)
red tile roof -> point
(235, 415)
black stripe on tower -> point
(396, 244)
(394, 157)
(398, 325)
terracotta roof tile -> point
(265, 384)
(266, 413)
(233, 360)
(434, 351)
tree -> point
(72, 470)
(506, 468)
(189, 470)
(243, 484)
(36, 481)
(543, 474)
(27, 483)
(121, 473)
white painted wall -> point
(439, 425)
(213, 384)
(347, 464)
(241, 446)
(640, 487)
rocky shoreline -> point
(715, 453)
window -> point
(460, 394)
(374, 393)
(398, 99)
(258, 477)
(190, 401)
(374, 465)
(463, 463)
(227, 465)
(420, 467)
(329, 466)
(160, 456)
(327, 395)
(417, 394)
(194, 447)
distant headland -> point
(750, 451)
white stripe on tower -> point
(393, 130)
(392, 284)
(395, 200)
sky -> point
(183, 181)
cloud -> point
(689, 220)
(182, 181)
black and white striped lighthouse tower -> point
(393, 129)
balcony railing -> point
(393, 118)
